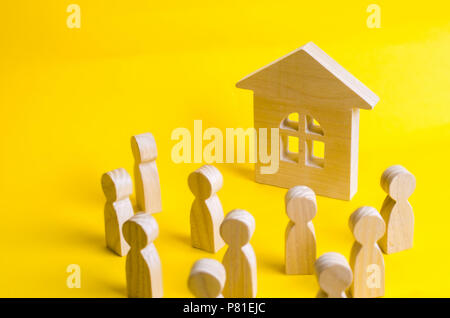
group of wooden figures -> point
(132, 234)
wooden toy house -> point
(315, 103)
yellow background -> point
(70, 99)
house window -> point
(315, 153)
(313, 126)
(302, 137)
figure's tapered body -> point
(239, 260)
(241, 272)
(148, 191)
(143, 266)
(368, 271)
(396, 211)
(117, 186)
(366, 259)
(206, 217)
(300, 238)
(300, 251)
(206, 211)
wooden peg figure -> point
(148, 192)
(334, 275)
(207, 279)
(366, 259)
(143, 266)
(239, 260)
(117, 186)
(206, 210)
(396, 211)
(300, 250)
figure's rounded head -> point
(207, 278)
(140, 230)
(301, 204)
(205, 181)
(333, 273)
(143, 147)
(117, 184)
(398, 182)
(367, 225)
(237, 228)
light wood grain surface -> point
(117, 186)
(300, 238)
(206, 211)
(207, 278)
(239, 260)
(396, 210)
(143, 266)
(366, 259)
(334, 275)
(146, 177)
(309, 83)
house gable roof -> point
(310, 76)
